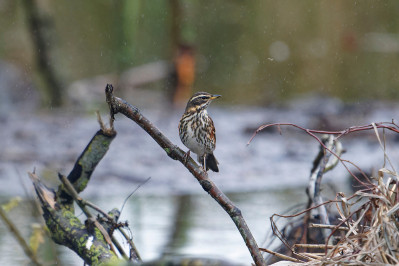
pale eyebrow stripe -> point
(201, 95)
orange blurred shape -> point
(185, 70)
(349, 41)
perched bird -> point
(197, 131)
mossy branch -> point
(93, 240)
(86, 163)
(66, 229)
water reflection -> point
(173, 225)
(181, 224)
(193, 224)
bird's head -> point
(200, 101)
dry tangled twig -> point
(371, 231)
(392, 126)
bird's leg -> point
(204, 163)
(185, 157)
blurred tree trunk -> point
(40, 24)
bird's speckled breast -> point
(194, 137)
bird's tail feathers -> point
(211, 162)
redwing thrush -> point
(197, 131)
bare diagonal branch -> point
(118, 105)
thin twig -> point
(142, 184)
(281, 256)
(312, 255)
(329, 226)
(320, 246)
(134, 252)
(81, 204)
(17, 234)
(304, 211)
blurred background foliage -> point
(254, 52)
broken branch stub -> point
(86, 163)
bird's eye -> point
(204, 97)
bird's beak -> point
(215, 96)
